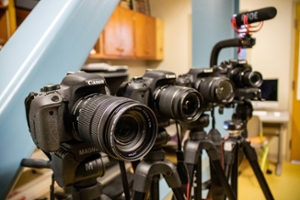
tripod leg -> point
(139, 195)
(222, 178)
(193, 150)
(145, 172)
(198, 188)
(234, 172)
(252, 158)
(154, 195)
(216, 162)
(191, 181)
(88, 189)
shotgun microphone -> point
(255, 15)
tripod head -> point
(243, 113)
(197, 127)
(157, 153)
(79, 165)
(77, 162)
(244, 110)
(234, 127)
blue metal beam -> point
(55, 38)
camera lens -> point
(126, 129)
(123, 128)
(216, 89)
(252, 79)
(128, 133)
(245, 77)
(224, 91)
(190, 103)
(179, 103)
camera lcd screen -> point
(269, 89)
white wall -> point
(272, 54)
(177, 33)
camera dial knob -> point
(51, 87)
(137, 78)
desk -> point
(276, 117)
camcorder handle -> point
(245, 42)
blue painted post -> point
(55, 38)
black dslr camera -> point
(215, 90)
(240, 73)
(81, 110)
(157, 89)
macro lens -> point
(179, 103)
(123, 128)
(216, 89)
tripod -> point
(236, 146)
(148, 171)
(198, 141)
(77, 165)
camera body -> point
(194, 77)
(49, 112)
(214, 89)
(157, 89)
(240, 73)
(141, 88)
(81, 110)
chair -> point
(258, 140)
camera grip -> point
(48, 124)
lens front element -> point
(123, 128)
(224, 91)
(179, 103)
(130, 131)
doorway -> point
(295, 136)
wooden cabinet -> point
(118, 34)
(4, 32)
(7, 22)
(145, 36)
(159, 39)
(130, 35)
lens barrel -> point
(246, 78)
(216, 89)
(123, 128)
(252, 79)
(179, 103)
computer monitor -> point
(269, 92)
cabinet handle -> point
(120, 49)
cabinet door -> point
(145, 39)
(97, 51)
(126, 32)
(159, 39)
(4, 32)
(118, 34)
